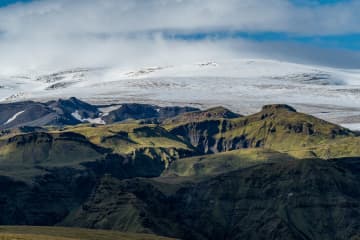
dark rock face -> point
(203, 136)
(45, 202)
(268, 200)
(308, 199)
(14, 114)
(200, 135)
(56, 113)
(68, 106)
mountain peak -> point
(277, 107)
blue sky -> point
(298, 2)
(323, 32)
(9, 2)
(349, 41)
(345, 41)
(317, 2)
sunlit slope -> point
(88, 142)
(277, 127)
(217, 163)
(136, 139)
(126, 149)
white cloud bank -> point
(57, 34)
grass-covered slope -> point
(276, 127)
(217, 163)
(46, 148)
(80, 144)
(136, 140)
(59, 233)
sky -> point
(47, 35)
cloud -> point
(55, 34)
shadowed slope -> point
(304, 199)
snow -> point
(89, 120)
(94, 120)
(13, 117)
(77, 115)
(243, 85)
(106, 110)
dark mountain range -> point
(73, 111)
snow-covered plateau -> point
(243, 85)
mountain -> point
(56, 113)
(277, 127)
(73, 111)
(204, 174)
(74, 106)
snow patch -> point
(95, 121)
(13, 117)
(106, 110)
(89, 120)
(77, 115)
